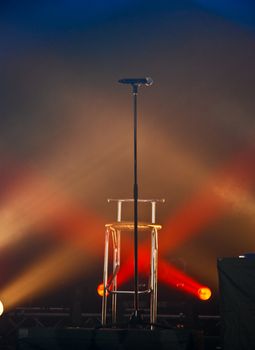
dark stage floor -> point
(54, 328)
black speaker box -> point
(237, 302)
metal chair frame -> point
(114, 230)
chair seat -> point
(129, 225)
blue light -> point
(240, 11)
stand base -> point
(136, 320)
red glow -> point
(190, 220)
(173, 277)
(204, 208)
(79, 226)
(127, 270)
(167, 274)
(210, 203)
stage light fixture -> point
(204, 293)
(100, 290)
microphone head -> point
(149, 81)
(137, 81)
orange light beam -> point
(61, 265)
(36, 203)
(80, 247)
(210, 203)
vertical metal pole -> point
(136, 300)
(114, 282)
(155, 276)
(152, 276)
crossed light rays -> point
(227, 189)
(35, 202)
(38, 200)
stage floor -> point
(109, 339)
(55, 328)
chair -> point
(114, 230)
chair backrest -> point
(130, 200)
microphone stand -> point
(136, 317)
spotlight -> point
(1, 308)
(100, 290)
(204, 293)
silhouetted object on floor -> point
(237, 296)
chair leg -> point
(154, 277)
(105, 278)
(116, 265)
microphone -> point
(137, 81)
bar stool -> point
(114, 229)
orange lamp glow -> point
(204, 293)
(100, 290)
